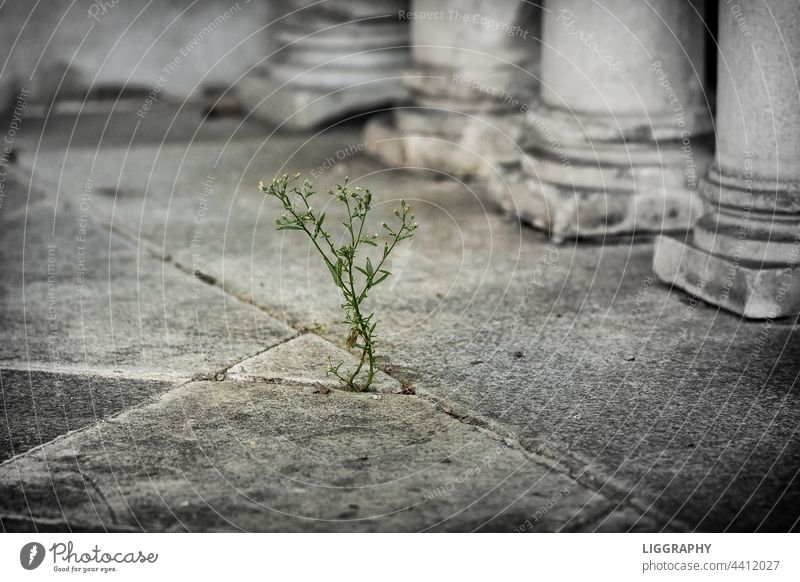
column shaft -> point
(333, 59)
(743, 251)
(619, 133)
(473, 76)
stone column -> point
(333, 59)
(742, 253)
(616, 139)
(473, 76)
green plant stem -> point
(341, 263)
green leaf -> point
(381, 278)
(337, 278)
(370, 270)
(289, 227)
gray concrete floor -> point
(556, 388)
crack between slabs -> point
(111, 417)
(93, 484)
(563, 462)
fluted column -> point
(472, 79)
(334, 59)
(618, 135)
(742, 252)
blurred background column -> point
(473, 78)
(332, 59)
(617, 140)
(743, 251)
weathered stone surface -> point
(39, 406)
(641, 391)
(75, 298)
(304, 360)
(745, 287)
(220, 456)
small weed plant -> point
(354, 277)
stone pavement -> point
(161, 345)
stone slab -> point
(39, 406)
(230, 456)
(304, 360)
(75, 297)
(577, 351)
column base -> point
(748, 288)
(466, 145)
(593, 176)
(583, 211)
